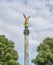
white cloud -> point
(41, 23)
(36, 4)
(1, 23)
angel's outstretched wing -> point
(24, 15)
(28, 18)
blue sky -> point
(40, 23)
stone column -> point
(26, 46)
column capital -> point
(26, 31)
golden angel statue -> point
(26, 20)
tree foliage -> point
(8, 56)
(45, 53)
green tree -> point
(8, 56)
(45, 53)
